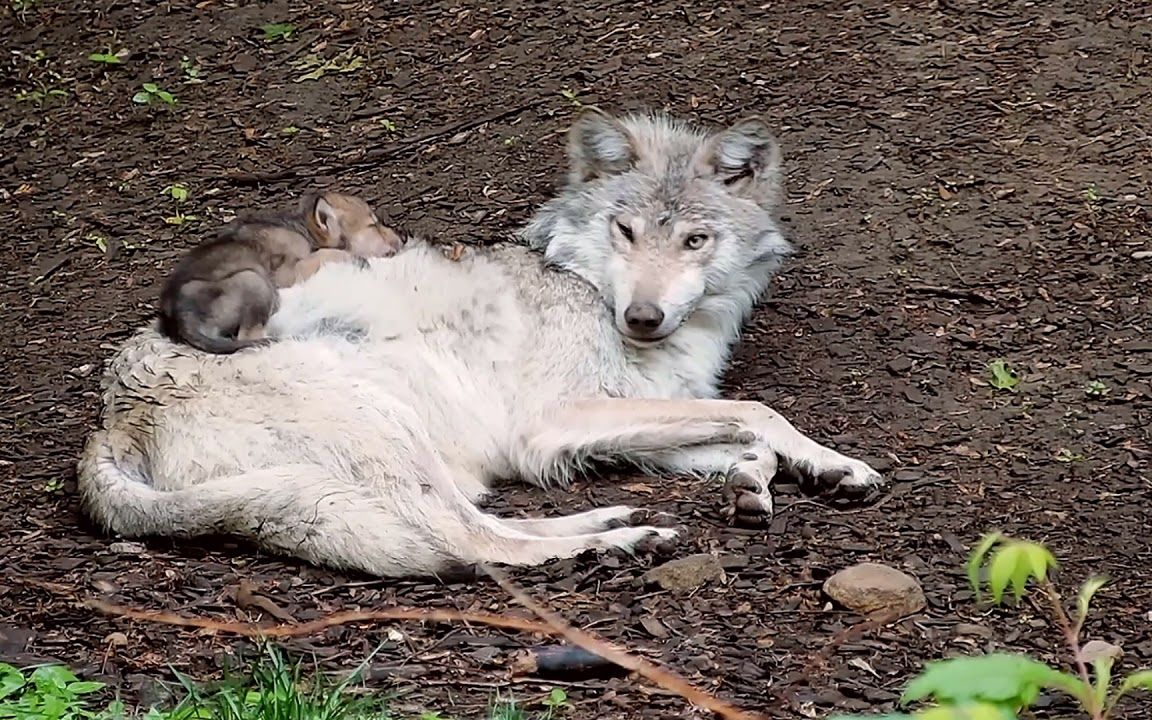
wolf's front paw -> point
(747, 489)
(840, 475)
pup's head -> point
(666, 220)
(336, 220)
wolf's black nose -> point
(643, 317)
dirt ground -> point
(967, 181)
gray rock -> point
(686, 573)
(874, 588)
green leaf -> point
(966, 711)
(278, 31)
(11, 680)
(52, 678)
(142, 98)
(84, 687)
(1087, 591)
(976, 560)
(1000, 679)
(150, 87)
(1102, 669)
(1141, 680)
(1002, 570)
(1003, 376)
(1039, 558)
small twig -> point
(874, 622)
(657, 675)
(315, 626)
(952, 293)
(1072, 637)
(376, 155)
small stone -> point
(116, 639)
(687, 573)
(1096, 649)
(83, 371)
(974, 630)
(899, 366)
(127, 548)
(874, 588)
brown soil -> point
(967, 180)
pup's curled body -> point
(222, 293)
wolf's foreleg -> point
(748, 441)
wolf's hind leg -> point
(576, 524)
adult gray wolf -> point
(363, 437)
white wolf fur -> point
(364, 436)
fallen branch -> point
(315, 626)
(653, 673)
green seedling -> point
(176, 191)
(318, 67)
(1003, 377)
(388, 125)
(1096, 389)
(193, 74)
(571, 96)
(108, 57)
(1001, 686)
(179, 194)
(556, 703)
(39, 95)
(151, 94)
(1067, 456)
(277, 31)
(21, 8)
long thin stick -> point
(653, 673)
(315, 626)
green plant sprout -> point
(179, 194)
(108, 57)
(153, 93)
(277, 31)
(1003, 376)
(1096, 389)
(1001, 685)
(318, 67)
(193, 73)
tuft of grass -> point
(276, 689)
(272, 688)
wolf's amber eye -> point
(695, 241)
(625, 231)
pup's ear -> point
(746, 158)
(598, 145)
(323, 220)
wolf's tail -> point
(304, 511)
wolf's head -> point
(666, 221)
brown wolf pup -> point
(222, 293)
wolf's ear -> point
(746, 158)
(598, 145)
